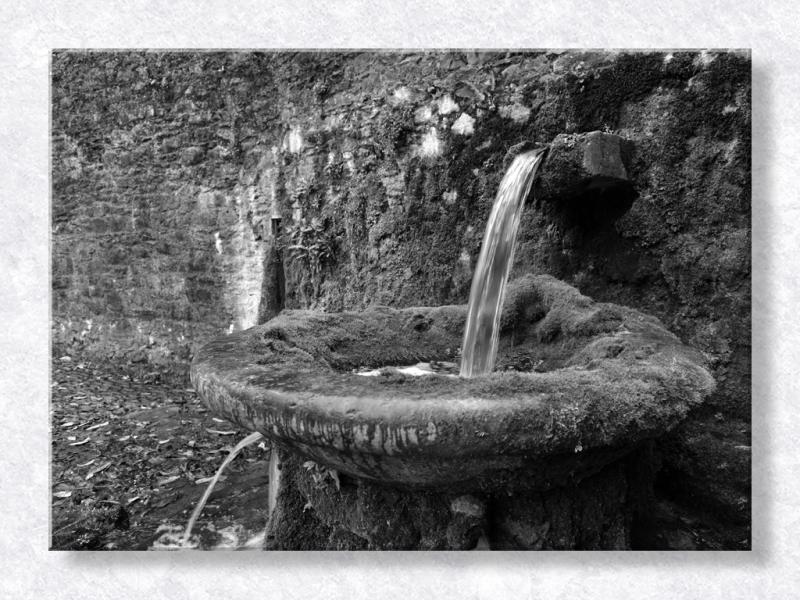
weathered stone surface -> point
(594, 379)
(589, 516)
(319, 509)
(576, 161)
(192, 155)
(292, 526)
(715, 453)
(316, 512)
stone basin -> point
(578, 385)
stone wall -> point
(199, 193)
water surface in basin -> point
(449, 369)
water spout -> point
(481, 336)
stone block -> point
(587, 176)
(578, 160)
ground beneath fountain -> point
(131, 450)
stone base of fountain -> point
(314, 511)
(610, 510)
(607, 510)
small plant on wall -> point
(310, 246)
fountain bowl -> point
(578, 385)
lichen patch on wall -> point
(423, 114)
(516, 112)
(447, 105)
(402, 94)
(431, 145)
(464, 125)
(294, 140)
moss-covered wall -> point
(169, 170)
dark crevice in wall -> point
(598, 203)
(273, 288)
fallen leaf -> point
(62, 494)
(81, 443)
(94, 472)
(98, 426)
(86, 464)
(168, 480)
(335, 476)
(220, 432)
(207, 479)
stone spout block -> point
(580, 385)
(587, 175)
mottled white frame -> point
(31, 29)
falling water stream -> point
(250, 439)
(482, 333)
(479, 349)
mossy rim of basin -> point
(603, 377)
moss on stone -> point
(612, 378)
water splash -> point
(250, 439)
(232, 537)
(479, 350)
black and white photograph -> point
(450, 299)
(375, 299)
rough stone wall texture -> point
(170, 171)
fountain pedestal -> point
(608, 510)
(315, 511)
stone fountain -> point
(551, 450)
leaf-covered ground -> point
(131, 455)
